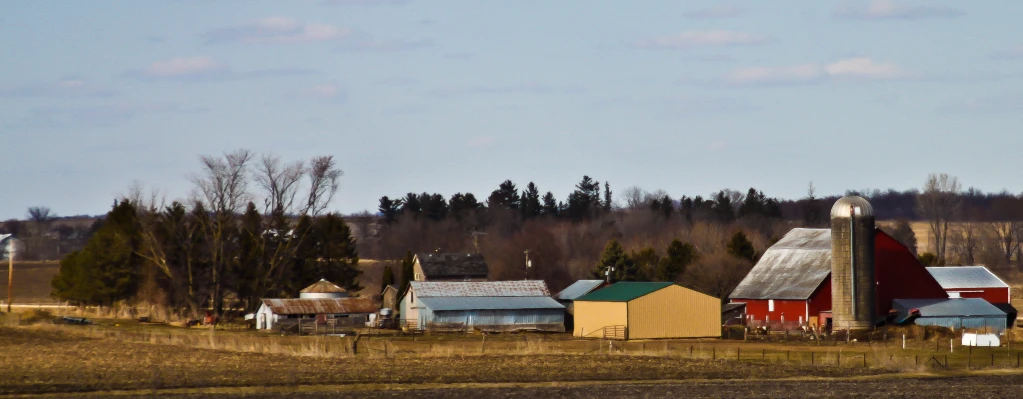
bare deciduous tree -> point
(41, 218)
(279, 182)
(324, 179)
(633, 197)
(939, 203)
(223, 183)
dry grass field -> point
(31, 281)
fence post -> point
(763, 354)
(992, 359)
(738, 354)
(916, 360)
(864, 360)
(787, 355)
(690, 351)
(839, 358)
(714, 353)
(811, 357)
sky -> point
(457, 96)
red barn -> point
(791, 283)
(971, 282)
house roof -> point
(321, 306)
(479, 288)
(322, 287)
(490, 303)
(955, 277)
(948, 307)
(792, 268)
(728, 307)
(453, 265)
(623, 291)
(578, 289)
(389, 287)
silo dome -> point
(323, 289)
(859, 205)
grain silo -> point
(852, 264)
(323, 289)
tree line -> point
(219, 250)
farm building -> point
(323, 289)
(450, 267)
(733, 313)
(481, 305)
(568, 295)
(635, 310)
(971, 282)
(791, 283)
(955, 313)
(325, 312)
(7, 241)
(389, 297)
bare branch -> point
(279, 182)
(222, 184)
(324, 176)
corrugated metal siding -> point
(674, 312)
(499, 317)
(490, 303)
(479, 288)
(995, 324)
(321, 306)
(792, 268)
(593, 316)
(578, 289)
(949, 307)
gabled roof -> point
(389, 287)
(322, 287)
(792, 268)
(490, 303)
(956, 277)
(948, 307)
(479, 288)
(622, 291)
(578, 289)
(452, 265)
(321, 306)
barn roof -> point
(322, 287)
(321, 306)
(792, 268)
(623, 291)
(578, 289)
(479, 288)
(955, 277)
(490, 303)
(453, 265)
(948, 307)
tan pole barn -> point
(647, 310)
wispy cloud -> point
(862, 68)
(1011, 53)
(329, 92)
(364, 2)
(204, 69)
(277, 30)
(724, 11)
(521, 88)
(996, 104)
(703, 38)
(894, 9)
(368, 43)
(66, 87)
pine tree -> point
(389, 209)
(461, 204)
(607, 197)
(678, 256)
(741, 247)
(584, 202)
(550, 205)
(531, 206)
(411, 205)
(337, 259)
(646, 262)
(107, 269)
(387, 279)
(614, 257)
(506, 196)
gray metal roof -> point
(453, 265)
(792, 268)
(948, 307)
(955, 277)
(321, 305)
(490, 303)
(578, 289)
(479, 288)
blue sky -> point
(454, 96)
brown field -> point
(31, 281)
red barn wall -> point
(900, 275)
(992, 295)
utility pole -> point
(528, 265)
(10, 272)
(476, 240)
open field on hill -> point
(31, 281)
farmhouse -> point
(954, 313)
(636, 310)
(450, 267)
(791, 283)
(481, 305)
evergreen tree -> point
(389, 209)
(722, 207)
(678, 257)
(411, 205)
(506, 196)
(584, 202)
(336, 257)
(741, 247)
(435, 206)
(251, 251)
(646, 263)
(614, 257)
(107, 269)
(607, 197)
(461, 204)
(387, 279)
(531, 206)
(550, 205)
(407, 271)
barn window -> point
(770, 305)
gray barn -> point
(481, 305)
(956, 313)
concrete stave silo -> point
(853, 281)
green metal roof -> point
(622, 291)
